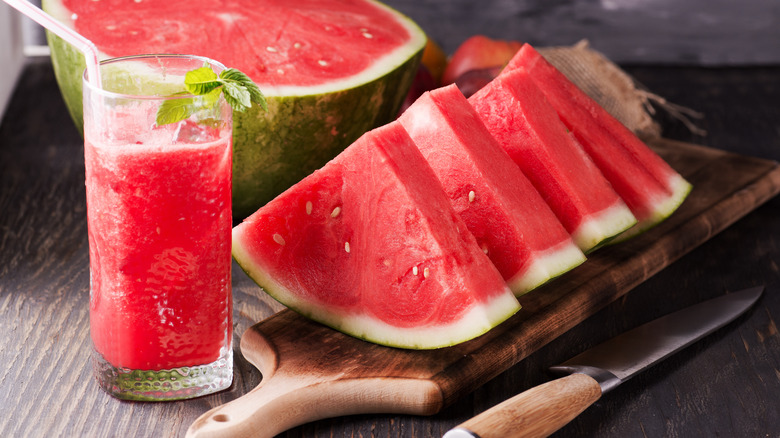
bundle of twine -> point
(615, 90)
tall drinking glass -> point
(159, 220)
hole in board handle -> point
(221, 418)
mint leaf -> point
(255, 95)
(237, 96)
(201, 80)
(175, 110)
(231, 74)
(239, 91)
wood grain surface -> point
(726, 385)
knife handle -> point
(537, 412)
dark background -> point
(693, 32)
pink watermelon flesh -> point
(370, 245)
(510, 220)
(528, 128)
(299, 43)
(647, 184)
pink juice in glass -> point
(159, 220)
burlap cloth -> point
(619, 93)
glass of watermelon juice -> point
(159, 221)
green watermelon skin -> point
(304, 126)
(648, 185)
(502, 209)
(274, 149)
(528, 128)
(370, 246)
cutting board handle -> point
(263, 412)
(300, 386)
(280, 404)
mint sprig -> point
(239, 91)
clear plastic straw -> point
(71, 36)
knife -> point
(540, 411)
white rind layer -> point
(603, 226)
(472, 324)
(546, 266)
(477, 321)
(663, 208)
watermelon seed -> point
(425, 273)
(322, 62)
(367, 35)
(346, 246)
(280, 71)
(278, 239)
(271, 49)
(297, 45)
(414, 270)
(308, 207)
(335, 212)
(472, 196)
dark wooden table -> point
(726, 385)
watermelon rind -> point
(603, 227)
(476, 322)
(547, 266)
(269, 156)
(681, 188)
(303, 128)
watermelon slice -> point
(508, 217)
(528, 128)
(331, 70)
(648, 185)
(370, 246)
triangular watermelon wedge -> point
(508, 217)
(648, 185)
(516, 112)
(370, 246)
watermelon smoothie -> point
(159, 220)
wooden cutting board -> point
(311, 371)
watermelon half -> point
(502, 209)
(370, 246)
(331, 70)
(528, 128)
(648, 185)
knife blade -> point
(542, 410)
